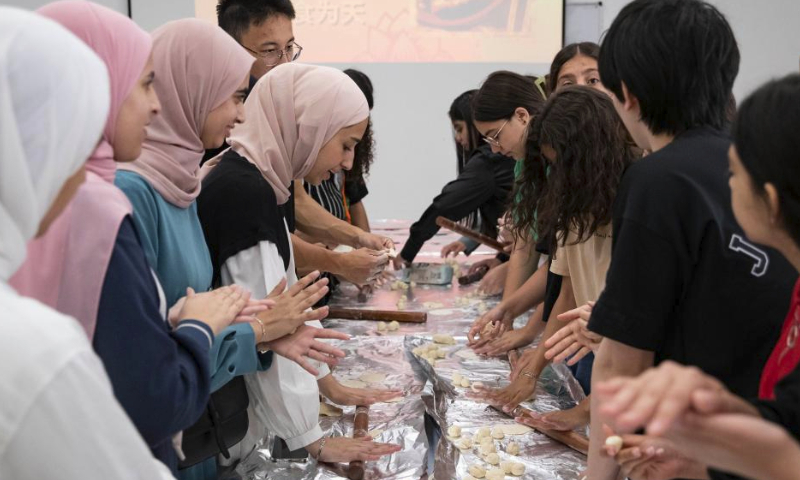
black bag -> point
(223, 424)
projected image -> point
(497, 31)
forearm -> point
(612, 360)
(528, 295)
(318, 223)
(358, 216)
(309, 257)
(564, 303)
(521, 266)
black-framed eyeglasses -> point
(273, 57)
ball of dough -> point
(477, 471)
(512, 448)
(476, 386)
(487, 448)
(614, 441)
(457, 378)
(517, 469)
(493, 458)
(441, 354)
(454, 431)
(381, 326)
(465, 443)
(506, 466)
(465, 382)
(393, 326)
(497, 433)
(483, 432)
(444, 339)
(496, 474)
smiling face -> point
(221, 120)
(507, 136)
(135, 114)
(274, 33)
(337, 154)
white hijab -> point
(54, 100)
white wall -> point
(415, 150)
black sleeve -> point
(785, 409)
(161, 378)
(642, 288)
(355, 190)
(458, 199)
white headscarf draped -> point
(54, 100)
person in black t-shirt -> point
(684, 284)
(701, 422)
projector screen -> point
(424, 31)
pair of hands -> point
(366, 264)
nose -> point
(348, 162)
(240, 117)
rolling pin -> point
(573, 440)
(360, 429)
(386, 315)
(469, 233)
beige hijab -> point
(198, 66)
(292, 112)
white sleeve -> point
(284, 398)
(75, 429)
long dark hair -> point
(498, 98)
(589, 49)
(591, 153)
(766, 139)
(461, 110)
(365, 149)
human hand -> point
(489, 326)
(575, 340)
(494, 281)
(374, 242)
(652, 458)
(343, 395)
(362, 266)
(522, 388)
(303, 344)
(509, 340)
(453, 248)
(292, 307)
(558, 420)
(217, 308)
(346, 449)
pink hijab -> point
(198, 67)
(66, 268)
(292, 112)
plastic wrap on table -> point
(401, 423)
(544, 459)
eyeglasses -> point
(493, 140)
(273, 57)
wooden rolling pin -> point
(469, 233)
(385, 315)
(573, 440)
(360, 429)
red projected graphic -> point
(399, 31)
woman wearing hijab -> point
(201, 80)
(160, 375)
(58, 416)
(303, 123)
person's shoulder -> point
(137, 189)
(236, 181)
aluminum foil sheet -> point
(544, 459)
(402, 423)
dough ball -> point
(512, 448)
(477, 471)
(496, 474)
(394, 326)
(413, 284)
(483, 432)
(381, 326)
(487, 448)
(418, 351)
(517, 469)
(454, 431)
(497, 433)
(614, 441)
(441, 354)
(506, 466)
(476, 386)
(465, 443)
(465, 382)
(444, 339)
(493, 458)
(457, 378)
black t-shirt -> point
(355, 189)
(238, 209)
(484, 186)
(683, 280)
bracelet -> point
(263, 329)
(321, 446)
(528, 374)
